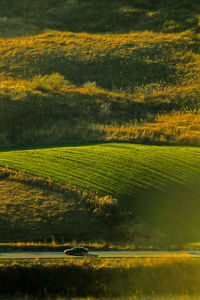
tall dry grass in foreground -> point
(179, 275)
(135, 297)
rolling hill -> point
(157, 184)
(68, 68)
(23, 18)
(57, 86)
(84, 73)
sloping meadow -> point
(58, 87)
(90, 72)
(21, 18)
(151, 184)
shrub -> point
(54, 81)
(90, 85)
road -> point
(100, 254)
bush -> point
(90, 85)
(54, 81)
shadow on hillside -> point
(108, 71)
(173, 210)
(17, 27)
(38, 147)
(97, 16)
(75, 224)
(48, 120)
(118, 18)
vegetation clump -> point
(54, 81)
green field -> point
(158, 184)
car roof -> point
(79, 248)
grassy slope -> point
(163, 75)
(140, 59)
(37, 208)
(95, 16)
(105, 58)
(35, 212)
(144, 60)
(160, 184)
(180, 128)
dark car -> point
(77, 251)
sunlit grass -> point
(70, 81)
(28, 57)
(176, 128)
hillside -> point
(158, 185)
(68, 68)
(56, 86)
(25, 17)
(76, 76)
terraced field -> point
(160, 184)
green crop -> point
(158, 183)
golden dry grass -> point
(179, 128)
(35, 208)
(126, 278)
(30, 209)
(28, 56)
(72, 80)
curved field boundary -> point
(159, 182)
